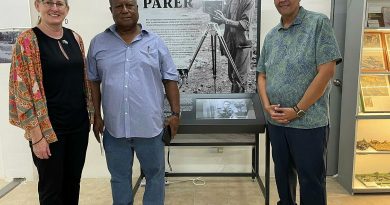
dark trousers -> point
(242, 59)
(59, 176)
(300, 152)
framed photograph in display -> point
(372, 41)
(387, 40)
(375, 93)
(224, 109)
(373, 61)
(387, 46)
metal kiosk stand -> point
(239, 113)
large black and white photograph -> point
(213, 43)
(224, 109)
(7, 40)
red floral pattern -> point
(27, 101)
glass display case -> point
(365, 113)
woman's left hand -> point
(39, 145)
(42, 150)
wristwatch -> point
(300, 113)
(177, 114)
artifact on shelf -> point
(362, 145)
(375, 179)
(380, 146)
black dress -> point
(63, 81)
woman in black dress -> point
(51, 91)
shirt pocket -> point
(148, 58)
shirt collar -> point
(112, 28)
(298, 20)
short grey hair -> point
(136, 2)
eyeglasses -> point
(58, 4)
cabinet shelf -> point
(371, 150)
(361, 188)
(367, 29)
(373, 115)
(375, 73)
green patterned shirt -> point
(290, 58)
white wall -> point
(14, 14)
(270, 16)
(15, 161)
(88, 18)
(15, 158)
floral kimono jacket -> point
(27, 101)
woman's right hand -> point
(40, 146)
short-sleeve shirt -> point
(290, 57)
(131, 81)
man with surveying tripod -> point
(237, 17)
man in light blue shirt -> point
(133, 66)
(297, 62)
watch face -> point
(301, 113)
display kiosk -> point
(222, 114)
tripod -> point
(215, 32)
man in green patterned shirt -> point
(297, 62)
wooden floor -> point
(216, 191)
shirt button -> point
(125, 99)
(125, 113)
(127, 73)
(127, 59)
(125, 86)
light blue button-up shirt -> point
(131, 81)
(290, 57)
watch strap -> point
(300, 113)
(177, 114)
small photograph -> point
(375, 85)
(372, 81)
(372, 40)
(387, 39)
(224, 109)
(375, 91)
(373, 60)
(7, 40)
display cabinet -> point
(364, 157)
